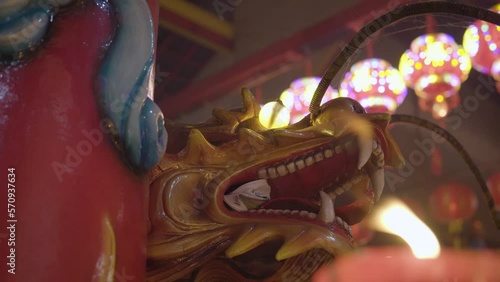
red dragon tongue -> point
(290, 204)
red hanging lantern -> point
(482, 42)
(454, 201)
(494, 187)
(375, 84)
(435, 67)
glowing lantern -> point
(274, 115)
(494, 187)
(375, 84)
(481, 42)
(435, 67)
(451, 202)
(298, 97)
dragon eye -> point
(343, 104)
(337, 108)
(357, 107)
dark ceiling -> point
(181, 59)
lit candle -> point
(423, 261)
(399, 264)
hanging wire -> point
(309, 71)
(460, 149)
(430, 22)
(389, 18)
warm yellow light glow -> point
(436, 53)
(274, 115)
(439, 98)
(288, 98)
(396, 218)
(439, 109)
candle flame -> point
(396, 218)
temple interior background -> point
(208, 50)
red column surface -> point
(69, 177)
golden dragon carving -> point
(238, 202)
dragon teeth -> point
(377, 149)
(327, 216)
(272, 172)
(381, 162)
(347, 185)
(326, 211)
(379, 156)
(300, 164)
(376, 175)
(365, 150)
(291, 167)
(344, 224)
(262, 173)
(328, 153)
(282, 170)
(367, 147)
(338, 149)
(318, 157)
(339, 191)
(309, 161)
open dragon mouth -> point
(266, 201)
(328, 185)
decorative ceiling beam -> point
(277, 55)
(196, 24)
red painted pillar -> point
(78, 212)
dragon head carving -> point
(232, 200)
